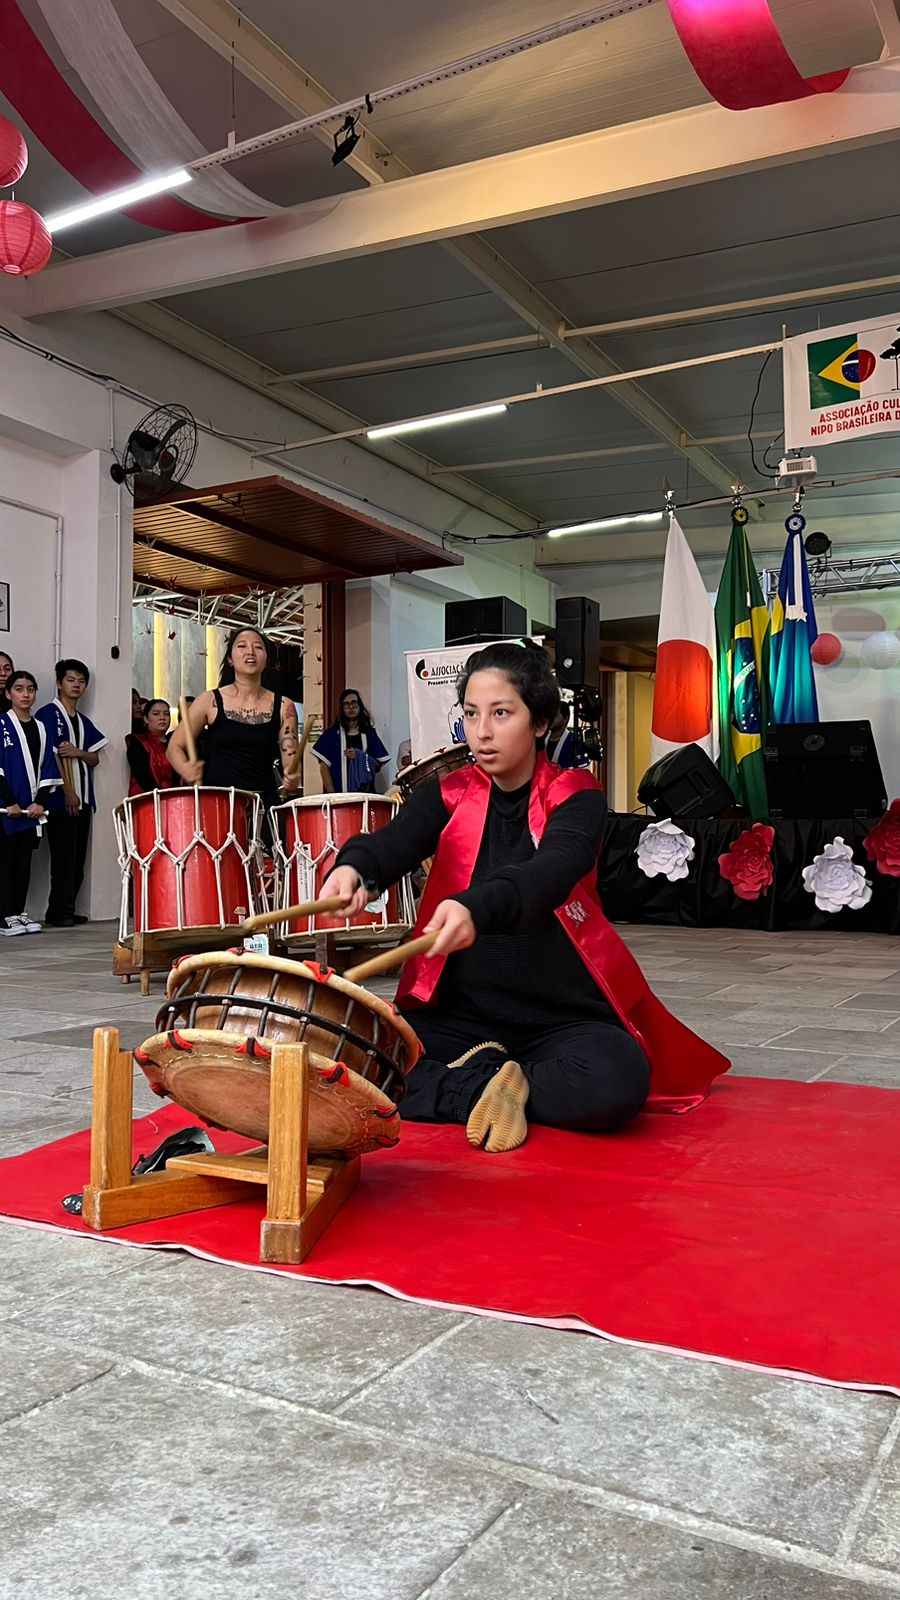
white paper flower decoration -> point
(664, 850)
(836, 880)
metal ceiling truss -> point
(240, 41)
(278, 614)
(850, 576)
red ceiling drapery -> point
(737, 53)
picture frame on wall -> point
(4, 608)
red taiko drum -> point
(309, 833)
(438, 765)
(191, 857)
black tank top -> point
(242, 754)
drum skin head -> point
(223, 1078)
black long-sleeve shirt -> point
(522, 969)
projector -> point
(794, 470)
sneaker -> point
(58, 922)
(29, 924)
(11, 927)
(79, 920)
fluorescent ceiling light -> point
(118, 199)
(439, 421)
(606, 522)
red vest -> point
(682, 1066)
(161, 767)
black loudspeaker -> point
(823, 769)
(478, 621)
(685, 783)
(577, 642)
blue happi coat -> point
(18, 769)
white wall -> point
(28, 557)
(388, 616)
(57, 429)
(851, 688)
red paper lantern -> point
(827, 650)
(13, 153)
(25, 242)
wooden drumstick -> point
(189, 740)
(391, 958)
(311, 908)
(296, 760)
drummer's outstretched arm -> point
(383, 857)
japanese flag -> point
(684, 699)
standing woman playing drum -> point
(246, 728)
(547, 1017)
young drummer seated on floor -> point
(528, 1005)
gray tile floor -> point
(173, 1428)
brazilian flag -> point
(834, 371)
(742, 631)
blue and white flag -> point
(793, 634)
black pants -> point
(16, 852)
(587, 1076)
(68, 838)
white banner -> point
(842, 383)
(435, 714)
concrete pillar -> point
(96, 627)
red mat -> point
(762, 1228)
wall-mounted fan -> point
(160, 452)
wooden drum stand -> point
(302, 1197)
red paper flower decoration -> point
(882, 843)
(747, 864)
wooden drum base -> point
(302, 1197)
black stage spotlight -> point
(345, 140)
(817, 544)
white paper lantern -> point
(881, 650)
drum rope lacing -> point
(128, 852)
(300, 861)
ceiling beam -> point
(255, 375)
(223, 27)
(330, 568)
(590, 170)
(232, 35)
(197, 558)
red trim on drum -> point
(177, 1041)
(141, 1057)
(338, 1075)
(384, 1141)
(322, 973)
(178, 960)
(160, 1089)
(253, 1049)
(384, 1116)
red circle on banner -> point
(682, 693)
